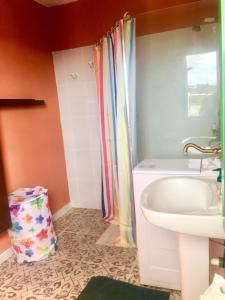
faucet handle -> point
(219, 178)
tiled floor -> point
(65, 274)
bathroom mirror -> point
(178, 79)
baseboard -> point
(62, 211)
(74, 204)
(5, 255)
(9, 252)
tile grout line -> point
(75, 263)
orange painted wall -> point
(83, 22)
(176, 17)
(31, 137)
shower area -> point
(177, 80)
(177, 95)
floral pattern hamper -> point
(32, 234)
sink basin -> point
(185, 205)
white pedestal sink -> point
(188, 206)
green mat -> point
(104, 288)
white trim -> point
(6, 254)
(74, 204)
(9, 252)
(62, 211)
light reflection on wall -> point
(178, 76)
(202, 81)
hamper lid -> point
(26, 194)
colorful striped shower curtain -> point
(114, 64)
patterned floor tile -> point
(65, 274)
(45, 273)
(58, 289)
(175, 296)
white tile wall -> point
(80, 124)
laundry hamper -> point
(32, 234)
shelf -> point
(20, 102)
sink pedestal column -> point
(194, 264)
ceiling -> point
(50, 3)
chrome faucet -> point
(216, 150)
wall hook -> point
(74, 76)
(91, 64)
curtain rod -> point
(126, 17)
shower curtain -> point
(114, 65)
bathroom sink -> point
(186, 205)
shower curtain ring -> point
(127, 16)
